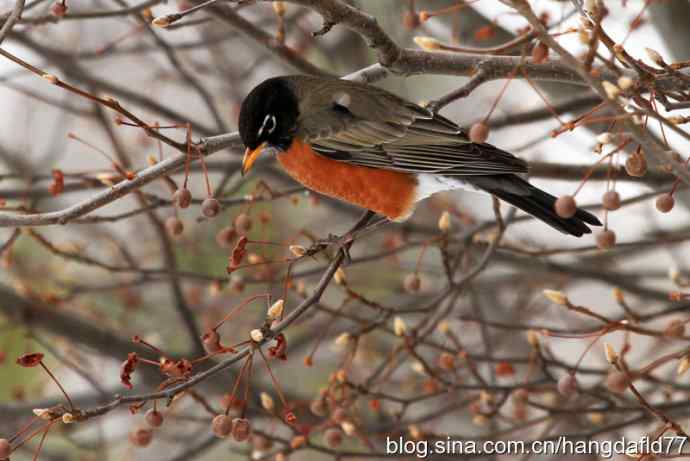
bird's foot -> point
(342, 242)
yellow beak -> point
(250, 157)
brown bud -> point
(182, 197)
(210, 207)
(611, 200)
(237, 284)
(211, 341)
(318, 407)
(617, 382)
(565, 206)
(412, 283)
(241, 429)
(567, 385)
(243, 223)
(636, 165)
(154, 418)
(59, 9)
(174, 226)
(665, 203)
(141, 437)
(479, 132)
(606, 239)
(540, 53)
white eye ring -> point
(269, 125)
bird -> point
(369, 147)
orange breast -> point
(389, 193)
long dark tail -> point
(521, 194)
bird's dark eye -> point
(268, 126)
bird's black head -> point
(268, 117)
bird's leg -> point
(344, 241)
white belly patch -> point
(429, 184)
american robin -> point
(366, 146)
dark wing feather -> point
(375, 128)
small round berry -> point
(567, 385)
(243, 223)
(333, 437)
(611, 200)
(606, 239)
(565, 206)
(479, 132)
(154, 418)
(5, 449)
(221, 426)
(412, 283)
(540, 53)
(182, 197)
(241, 429)
(665, 203)
(141, 437)
(210, 207)
(617, 382)
(226, 237)
(174, 226)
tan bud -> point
(611, 354)
(683, 365)
(427, 43)
(276, 310)
(399, 326)
(342, 340)
(625, 82)
(340, 277)
(162, 21)
(267, 401)
(256, 335)
(444, 222)
(279, 8)
(51, 78)
(612, 91)
(297, 250)
(555, 296)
